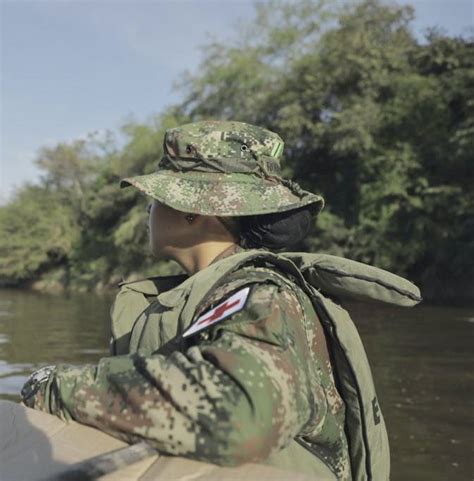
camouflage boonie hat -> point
(223, 168)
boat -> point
(36, 446)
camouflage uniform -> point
(245, 387)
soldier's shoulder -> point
(256, 303)
(267, 279)
(249, 294)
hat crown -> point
(223, 140)
(223, 168)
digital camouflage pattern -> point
(223, 168)
(236, 392)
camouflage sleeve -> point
(240, 393)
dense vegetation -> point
(378, 122)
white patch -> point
(233, 304)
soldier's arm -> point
(239, 394)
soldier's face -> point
(168, 230)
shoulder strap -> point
(365, 427)
(132, 299)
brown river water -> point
(422, 360)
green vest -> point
(151, 315)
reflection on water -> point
(422, 363)
(36, 330)
(421, 360)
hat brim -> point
(219, 194)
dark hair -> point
(276, 231)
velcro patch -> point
(233, 304)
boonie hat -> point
(223, 168)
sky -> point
(73, 67)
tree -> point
(379, 123)
(37, 232)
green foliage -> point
(37, 231)
(379, 123)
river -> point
(422, 360)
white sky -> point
(73, 67)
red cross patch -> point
(234, 304)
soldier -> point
(243, 359)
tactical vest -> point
(151, 315)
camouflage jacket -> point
(241, 388)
